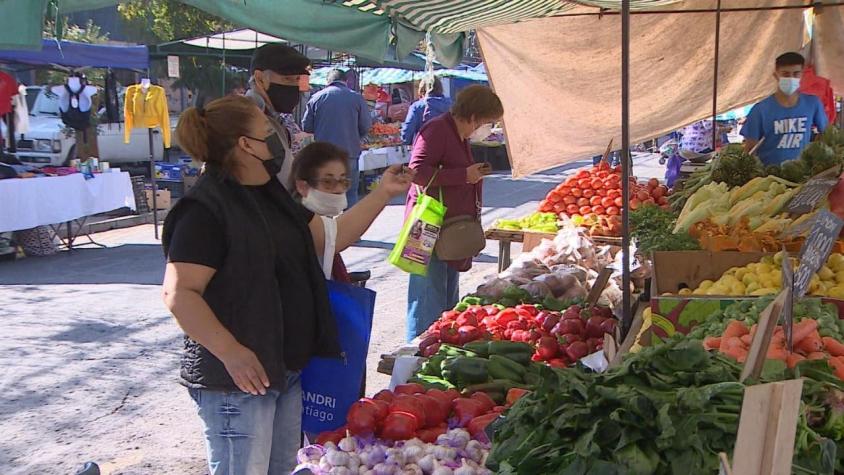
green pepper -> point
(516, 351)
(450, 350)
(506, 302)
(433, 367)
(461, 307)
(532, 379)
(479, 347)
(470, 300)
(498, 369)
(431, 382)
(463, 371)
(509, 364)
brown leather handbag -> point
(461, 237)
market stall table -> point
(52, 201)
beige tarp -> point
(560, 78)
(829, 46)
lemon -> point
(778, 257)
(764, 268)
(751, 288)
(814, 283)
(698, 291)
(749, 279)
(839, 277)
(825, 273)
(738, 289)
(729, 280)
(686, 291)
(767, 260)
(819, 290)
(715, 290)
(836, 262)
(731, 271)
(775, 275)
(705, 285)
(740, 273)
(836, 292)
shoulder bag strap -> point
(330, 246)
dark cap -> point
(280, 58)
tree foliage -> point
(87, 33)
(157, 21)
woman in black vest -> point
(244, 283)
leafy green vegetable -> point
(667, 409)
(651, 227)
(819, 157)
(735, 167)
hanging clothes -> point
(146, 110)
(8, 89)
(83, 101)
(819, 86)
(112, 103)
(21, 111)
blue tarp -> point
(79, 55)
(383, 76)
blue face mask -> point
(789, 86)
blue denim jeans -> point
(429, 296)
(251, 435)
(354, 175)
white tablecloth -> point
(29, 202)
(375, 158)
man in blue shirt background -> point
(787, 119)
(432, 103)
(339, 116)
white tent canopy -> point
(234, 40)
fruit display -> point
(765, 278)
(715, 237)
(592, 198)
(761, 201)
(385, 129)
(453, 452)
(537, 222)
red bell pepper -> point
(491, 310)
(442, 398)
(466, 409)
(530, 309)
(558, 363)
(506, 316)
(429, 436)
(548, 348)
(384, 395)
(409, 388)
(514, 394)
(484, 399)
(468, 333)
(334, 436)
(449, 335)
(477, 425)
(399, 426)
(435, 413)
(518, 325)
(409, 404)
(449, 315)
(467, 318)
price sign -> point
(810, 194)
(816, 249)
(787, 314)
(799, 229)
(173, 66)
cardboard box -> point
(162, 198)
(675, 270)
(532, 239)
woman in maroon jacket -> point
(442, 147)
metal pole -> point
(627, 316)
(154, 187)
(223, 69)
(715, 76)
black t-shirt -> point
(198, 239)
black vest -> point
(244, 294)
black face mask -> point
(283, 98)
(277, 153)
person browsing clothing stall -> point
(432, 103)
(280, 75)
(442, 159)
(244, 283)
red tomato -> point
(585, 209)
(565, 191)
(569, 200)
(559, 208)
(576, 192)
(659, 191)
(572, 209)
(635, 203)
(643, 195)
(583, 202)
(554, 197)
(545, 207)
(619, 202)
(613, 194)
(649, 201)
(598, 210)
(571, 182)
(582, 174)
(662, 200)
(603, 174)
(595, 200)
(597, 183)
(588, 193)
(653, 183)
(584, 183)
(607, 202)
(613, 210)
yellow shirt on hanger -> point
(146, 110)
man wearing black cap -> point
(279, 76)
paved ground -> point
(90, 355)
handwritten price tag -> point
(810, 194)
(816, 250)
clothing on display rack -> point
(112, 103)
(21, 111)
(75, 102)
(8, 89)
(146, 108)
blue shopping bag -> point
(330, 386)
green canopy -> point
(314, 22)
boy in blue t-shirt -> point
(786, 119)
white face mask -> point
(789, 85)
(481, 133)
(325, 204)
